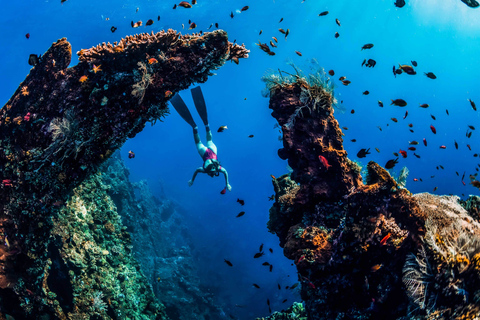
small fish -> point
(137, 24)
(294, 286)
(194, 2)
(412, 148)
(346, 82)
(222, 128)
(414, 143)
(244, 9)
(367, 46)
(337, 22)
(242, 202)
(399, 102)
(378, 150)
(394, 119)
(270, 249)
(185, 4)
(281, 19)
(456, 144)
(256, 286)
(384, 239)
(279, 286)
(331, 72)
(342, 78)
(231, 14)
(299, 53)
(27, 36)
(353, 111)
(287, 33)
(399, 3)
(216, 25)
(113, 29)
(240, 214)
(403, 153)
(260, 249)
(193, 25)
(258, 255)
(324, 13)
(272, 44)
(425, 105)
(284, 300)
(446, 110)
(268, 302)
(149, 22)
(366, 92)
(433, 129)
(131, 154)
(433, 117)
(228, 262)
(471, 127)
(406, 114)
(324, 162)
(337, 34)
(391, 163)
(168, 94)
(175, 6)
(375, 267)
(152, 61)
(435, 189)
(363, 153)
(223, 191)
(158, 18)
(83, 79)
(425, 142)
(407, 69)
(33, 59)
(443, 147)
(251, 136)
(473, 104)
(380, 103)
(271, 268)
(265, 264)
(431, 75)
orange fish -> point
(324, 162)
(443, 147)
(433, 129)
(152, 61)
(193, 25)
(375, 267)
(384, 240)
(83, 79)
(168, 94)
(299, 53)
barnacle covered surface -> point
(363, 248)
(56, 130)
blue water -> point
(442, 36)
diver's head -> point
(211, 167)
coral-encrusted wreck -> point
(55, 131)
(364, 250)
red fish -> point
(311, 285)
(223, 191)
(324, 161)
(425, 142)
(433, 129)
(403, 153)
(331, 72)
(27, 36)
(384, 240)
(443, 147)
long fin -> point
(181, 107)
(199, 101)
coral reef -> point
(161, 243)
(364, 250)
(60, 125)
(295, 312)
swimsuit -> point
(210, 155)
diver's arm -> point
(199, 169)
(227, 185)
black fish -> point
(363, 153)
(261, 248)
(240, 214)
(431, 75)
(113, 29)
(149, 22)
(391, 163)
(258, 255)
(228, 262)
(367, 46)
(271, 250)
(256, 286)
(265, 263)
(371, 63)
(414, 63)
(324, 13)
(231, 15)
(271, 268)
(279, 287)
(399, 3)
(34, 59)
(242, 202)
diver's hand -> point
(190, 183)
(229, 187)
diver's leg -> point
(210, 143)
(198, 143)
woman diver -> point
(211, 166)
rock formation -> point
(55, 131)
(364, 250)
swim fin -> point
(200, 104)
(181, 107)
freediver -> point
(211, 166)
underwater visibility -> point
(210, 160)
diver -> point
(211, 166)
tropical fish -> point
(431, 75)
(242, 202)
(399, 102)
(244, 9)
(391, 163)
(136, 24)
(185, 4)
(473, 104)
(407, 69)
(337, 35)
(113, 29)
(324, 162)
(240, 214)
(228, 262)
(258, 255)
(324, 13)
(152, 61)
(256, 286)
(131, 154)
(425, 105)
(367, 46)
(223, 191)
(380, 103)
(222, 128)
(299, 53)
(403, 153)
(33, 59)
(337, 22)
(363, 153)
(376, 267)
(83, 79)
(366, 92)
(433, 129)
(27, 36)
(193, 25)
(399, 3)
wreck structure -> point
(364, 247)
(64, 251)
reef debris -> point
(61, 124)
(364, 250)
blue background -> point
(442, 36)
